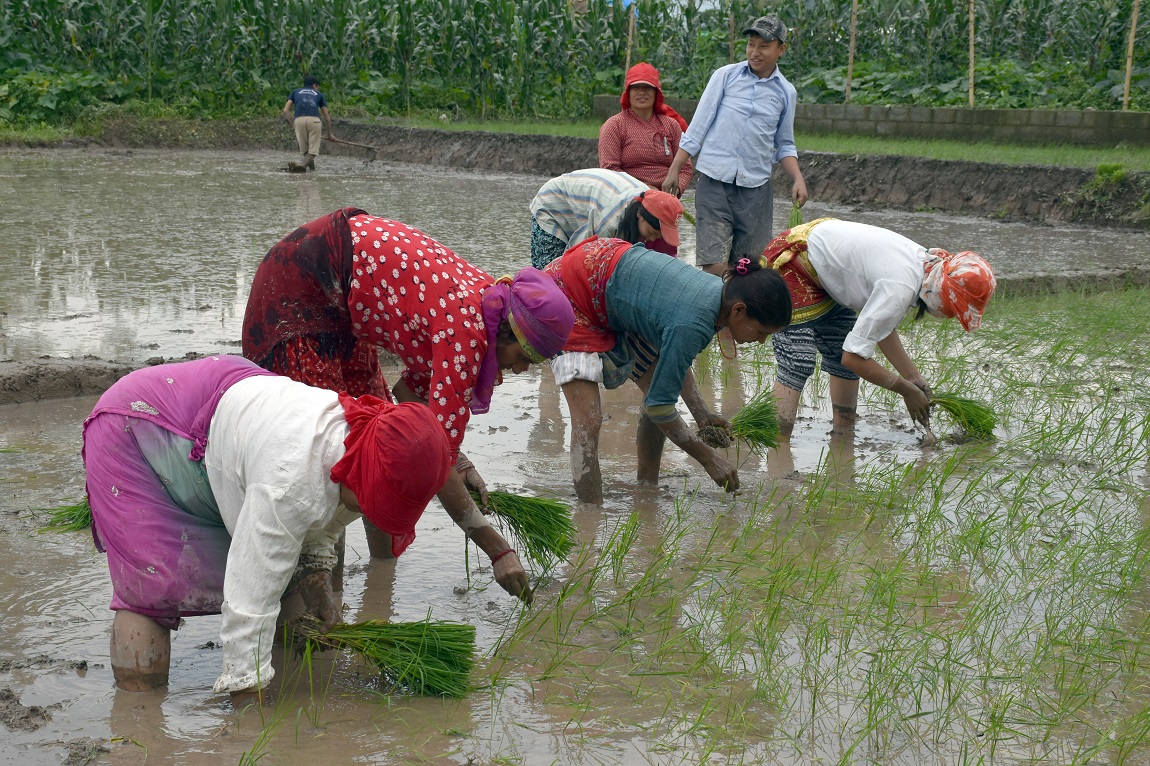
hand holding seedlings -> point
(318, 599)
(474, 482)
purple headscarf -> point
(540, 315)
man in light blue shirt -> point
(744, 124)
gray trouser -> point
(733, 221)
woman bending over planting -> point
(328, 295)
(624, 293)
(837, 268)
(600, 203)
(218, 487)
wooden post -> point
(731, 28)
(1130, 57)
(851, 50)
(630, 36)
(971, 54)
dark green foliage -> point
(543, 58)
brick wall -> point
(1027, 126)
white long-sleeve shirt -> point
(875, 271)
(271, 447)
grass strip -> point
(430, 657)
(542, 525)
(69, 518)
(972, 416)
(758, 422)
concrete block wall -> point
(1026, 126)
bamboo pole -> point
(731, 29)
(630, 36)
(851, 50)
(971, 86)
(1130, 57)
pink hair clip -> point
(742, 265)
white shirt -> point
(271, 447)
(872, 270)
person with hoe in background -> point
(330, 294)
(623, 292)
(599, 203)
(219, 487)
(302, 111)
(837, 268)
(744, 124)
(643, 138)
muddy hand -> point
(318, 599)
(716, 420)
(511, 576)
(723, 472)
(921, 384)
(474, 482)
(918, 405)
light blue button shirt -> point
(743, 125)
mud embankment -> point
(1030, 193)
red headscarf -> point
(959, 285)
(396, 459)
(648, 75)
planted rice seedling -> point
(429, 657)
(69, 518)
(543, 525)
(971, 415)
(757, 423)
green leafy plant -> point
(543, 525)
(69, 518)
(757, 423)
(429, 657)
(972, 416)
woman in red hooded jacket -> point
(643, 138)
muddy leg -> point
(787, 400)
(649, 440)
(586, 421)
(378, 541)
(141, 652)
(844, 404)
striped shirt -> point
(743, 125)
(585, 203)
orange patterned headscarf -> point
(959, 285)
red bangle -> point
(501, 554)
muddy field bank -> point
(1007, 192)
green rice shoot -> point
(429, 658)
(757, 423)
(69, 518)
(796, 216)
(972, 416)
(542, 525)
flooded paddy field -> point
(862, 600)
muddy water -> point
(132, 255)
(138, 254)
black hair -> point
(629, 226)
(763, 290)
(505, 336)
(310, 80)
(921, 309)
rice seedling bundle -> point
(69, 518)
(796, 216)
(543, 525)
(758, 422)
(972, 416)
(429, 657)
